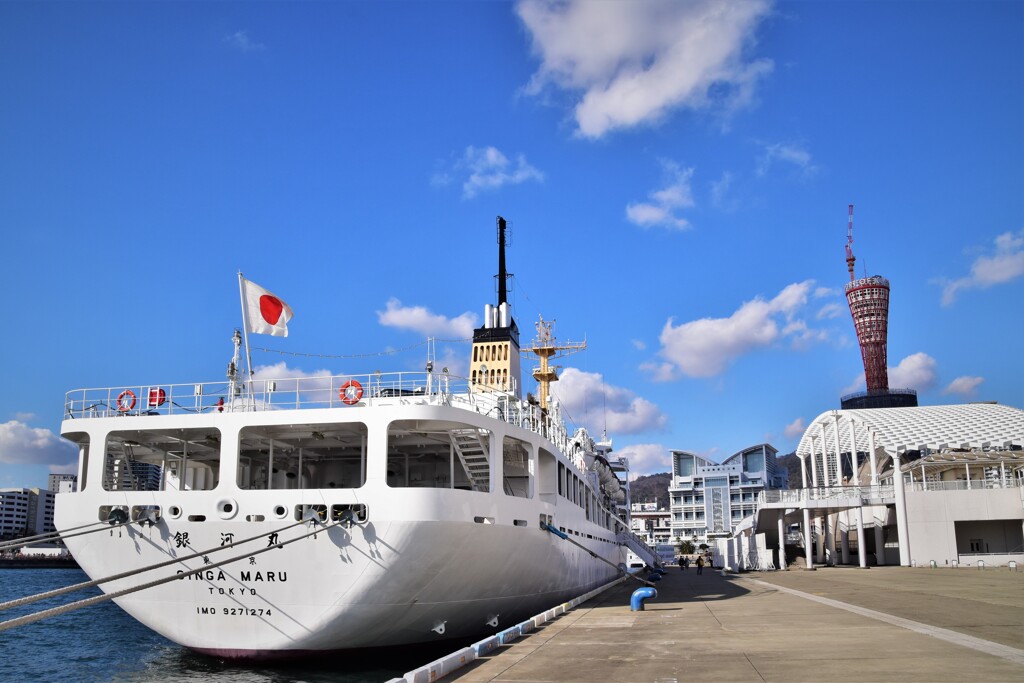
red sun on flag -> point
(270, 308)
(263, 312)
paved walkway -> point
(834, 624)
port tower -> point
(868, 298)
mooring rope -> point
(565, 536)
(88, 602)
(28, 600)
(18, 542)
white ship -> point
(261, 519)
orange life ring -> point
(126, 401)
(351, 392)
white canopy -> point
(973, 426)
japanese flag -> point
(265, 312)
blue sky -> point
(676, 176)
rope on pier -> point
(28, 600)
(50, 535)
(88, 602)
(565, 536)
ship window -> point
(164, 459)
(517, 467)
(561, 479)
(547, 476)
(440, 455)
(329, 455)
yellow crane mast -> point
(546, 349)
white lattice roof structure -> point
(974, 426)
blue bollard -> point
(636, 601)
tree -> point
(685, 547)
(703, 547)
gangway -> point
(639, 548)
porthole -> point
(280, 511)
(174, 512)
(227, 508)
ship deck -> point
(882, 624)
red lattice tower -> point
(869, 305)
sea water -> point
(103, 643)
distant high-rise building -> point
(62, 483)
(868, 298)
(25, 512)
(709, 500)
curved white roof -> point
(970, 426)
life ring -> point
(126, 401)
(351, 392)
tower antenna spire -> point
(850, 258)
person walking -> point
(700, 565)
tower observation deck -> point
(869, 305)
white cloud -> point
(634, 62)
(487, 168)
(646, 458)
(704, 348)
(795, 428)
(789, 154)
(661, 210)
(311, 387)
(24, 445)
(24, 417)
(420, 319)
(964, 386)
(589, 401)
(916, 371)
(455, 359)
(241, 41)
(1004, 265)
(720, 189)
(829, 311)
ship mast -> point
(545, 348)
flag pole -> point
(245, 327)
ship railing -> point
(335, 391)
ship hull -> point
(252, 574)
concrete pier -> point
(836, 624)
